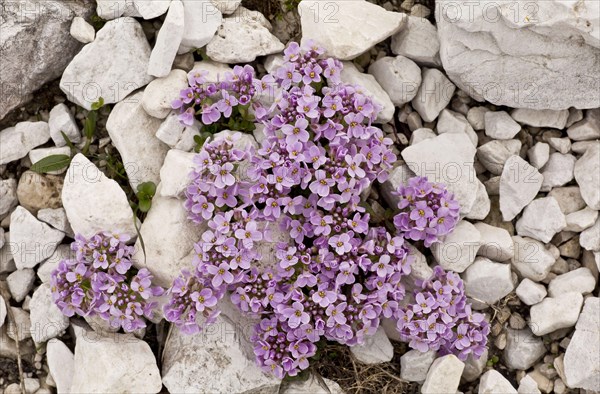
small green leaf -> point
(98, 104)
(147, 188)
(68, 142)
(145, 205)
(51, 163)
(90, 125)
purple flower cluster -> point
(427, 211)
(440, 318)
(336, 277)
(211, 101)
(99, 282)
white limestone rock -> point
(458, 249)
(519, 184)
(541, 118)
(169, 238)
(132, 131)
(530, 292)
(333, 24)
(57, 218)
(562, 145)
(45, 269)
(93, 74)
(116, 363)
(207, 361)
(33, 240)
(350, 75)
(47, 321)
(586, 129)
(454, 122)
(8, 195)
(589, 238)
(493, 155)
(313, 384)
(500, 125)
(421, 134)
(449, 159)
(61, 363)
(443, 376)
(399, 76)
(492, 382)
(227, 6)
(569, 198)
(160, 93)
(486, 282)
(61, 119)
(476, 117)
(434, 94)
(580, 280)
(93, 202)
(558, 171)
(17, 141)
(20, 283)
(528, 386)
(82, 31)
(541, 219)
(242, 39)
(167, 41)
(582, 358)
(482, 204)
(532, 259)
(580, 220)
(522, 349)
(539, 154)
(377, 349)
(485, 45)
(415, 364)
(495, 243)
(150, 9)
(35, 47)
(474, 366)
(174, 174)
(587, 175)
(554, 313)
(202, 18)
(418, 41)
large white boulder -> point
(132, 131)
(217, 360)
(31, 241)
(587, 175)
(366, 82)
(524, 54)
(447, 158)
(18, 141)
(112, 66)
(167, 41)
(335, 25)
(519, 184)
(582, 358)
(93, 202)
(242, 37)
(119, 363)
(47, 321)
(169, 238)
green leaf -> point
(139, 234)
(145, 205)
(68, 142)
(98, 104)
(51, 163)
(147, 189)
(90, 125)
